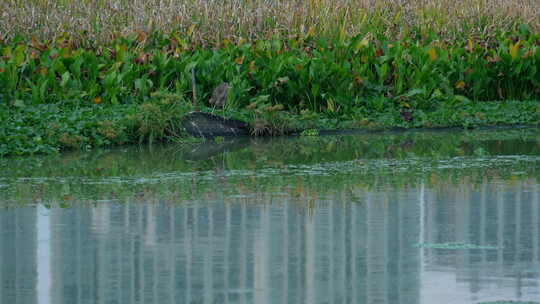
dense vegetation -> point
(83, 74)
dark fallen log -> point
(207, 125)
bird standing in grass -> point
(219, 96)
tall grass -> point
(210, 21)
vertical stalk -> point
(194, 90)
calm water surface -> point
(417, 217)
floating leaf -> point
(454, 246)
(508, 302)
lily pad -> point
(509, 302)
(454, 246)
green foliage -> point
(299, 74)
(142, 87)
(50, 128)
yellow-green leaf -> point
(432, 54)
(513, 49)
(239, 60)
(460, 85)
(310, 32)
(361, 44)
(190, 30)
(330, 105)
(20, 51)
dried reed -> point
(100, 21)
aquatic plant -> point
(509, 302)
(310, 132)
(345, 68)
(455, 246)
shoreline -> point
(52, 129)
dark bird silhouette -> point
(219, 96)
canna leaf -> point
(460, 85)
(239, 60)
(513, 49)
(20, 51)
(361, 44)
(65, 79)
(311, 32)
(190, 30)
(470, 45)
(432, 54)
(43, 89)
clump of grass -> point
(158, 118)
(89, 22)
(269, 120)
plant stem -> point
(194, 90)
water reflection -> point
(354, 246)
(18, 258)
(304, 220)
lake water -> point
(415, 217)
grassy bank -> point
(84, 74)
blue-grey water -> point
(385, 218)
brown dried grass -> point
(99, 21)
